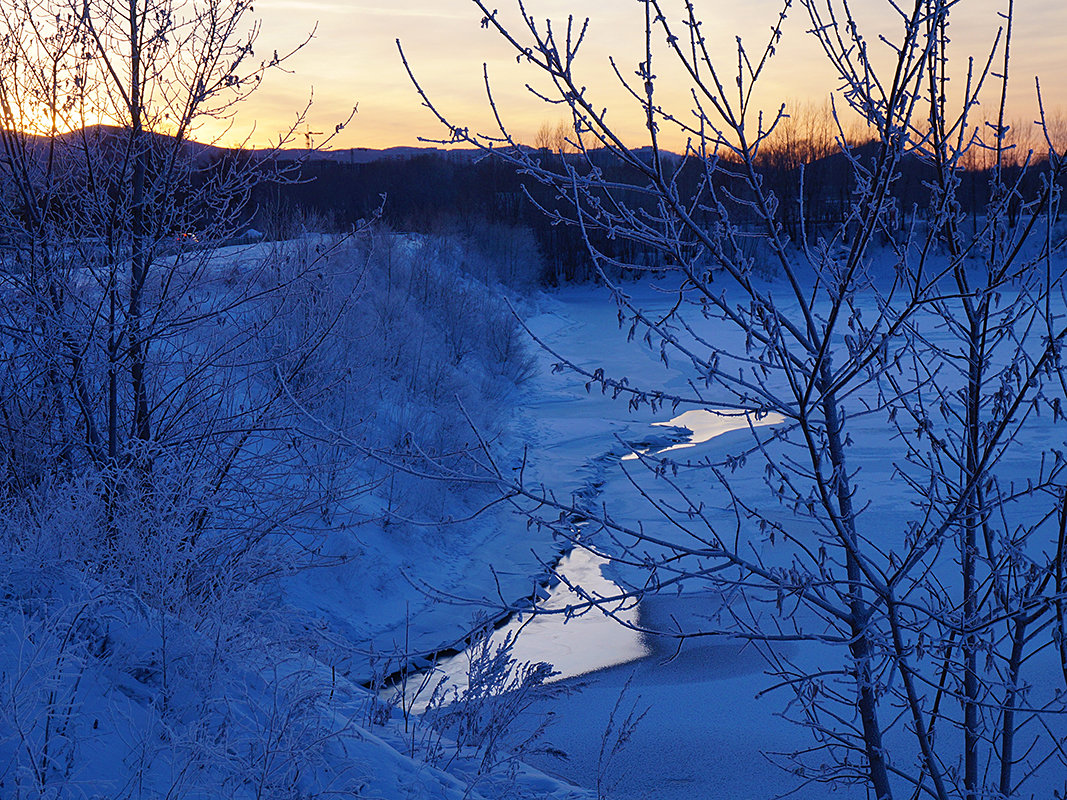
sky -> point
(353, 58)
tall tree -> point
(100, 102)
(928, 661)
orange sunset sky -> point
(353, 58)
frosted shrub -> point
(508, 348)
(174, 667)
(492, 253)
(412, 353)
(40, 721)
(142, 593)
(483, 719)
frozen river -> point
(714, 726)
(705, 735)
(703, 719)
(577, 642)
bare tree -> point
(937, 638)
(553, 138)
(112, 219)
(151, 479)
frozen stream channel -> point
(706, 733)
(576, 645)
(715, 727)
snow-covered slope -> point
(145, 655)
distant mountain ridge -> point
(350, 155)
(346, 155)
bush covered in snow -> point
(149, 649)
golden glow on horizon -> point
(38, 121)
(353, 59)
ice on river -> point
(704, 425)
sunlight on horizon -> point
(354, 58)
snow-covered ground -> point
(711, 729)
(705, 734)
(142, 660)
(103, 693)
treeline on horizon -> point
(491, 202)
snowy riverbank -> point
(712, 728)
